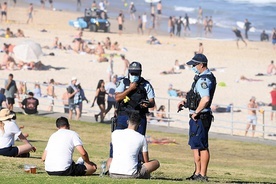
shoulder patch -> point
(204, 85)
(118, 84)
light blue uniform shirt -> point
(203, 87)
(150, 92)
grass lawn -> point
(231, 161)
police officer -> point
(133, 93)
(198, 101)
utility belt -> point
(203, 115)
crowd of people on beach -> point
(105, 98)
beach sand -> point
(230, 63)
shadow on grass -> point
(36, 140)
(166, 179)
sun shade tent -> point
(28, 51)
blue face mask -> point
(195, 70)
(133, 78)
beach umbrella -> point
(28, 51)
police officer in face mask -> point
(198, 101)
(133, 93)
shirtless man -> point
(126, 64)
(271, 69)
(4, 9)
(30, 13)
(200, 49)
(120, 23)
(252, 115)
(51, 94)
(100, 53)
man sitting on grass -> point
(29, 105)
(125, 152)
(59, 152)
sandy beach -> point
(230, 63)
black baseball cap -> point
(198, 58)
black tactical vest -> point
(136, 97)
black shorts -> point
(10, 151)
(73, 170)
(159, 12)
(120, 27)
(274, 107)
(4, 13)
(10, 100)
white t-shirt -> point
(60, 149)
(110, 88)
(101, 6)
(11, 131)
(127, 144)
(144, 18)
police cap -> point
(135, 68)
(197, 59)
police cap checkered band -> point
(198, 58)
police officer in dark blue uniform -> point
(198, 101)
(133, 93)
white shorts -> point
(252, 119)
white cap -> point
(73, 78)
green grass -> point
(231, 161)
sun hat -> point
(73, 78)
(6, 114)
(198, 58)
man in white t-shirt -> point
(125, 152)
(59, 152)
(110, 88)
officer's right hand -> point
(132, 86)
(180, 104)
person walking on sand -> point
(152, 24)
(4, 10)
(42, 2)
(187, 25)
(120, 23)
(247, 26)
(273, 38)
(30, 13)
(252, 115)
(140, 25)
(144, 21)
(238, 36)
(132, 10)
(78, 4)
(51, 4)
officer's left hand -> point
(194, 117)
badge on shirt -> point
(118, 84)
(204, 85)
